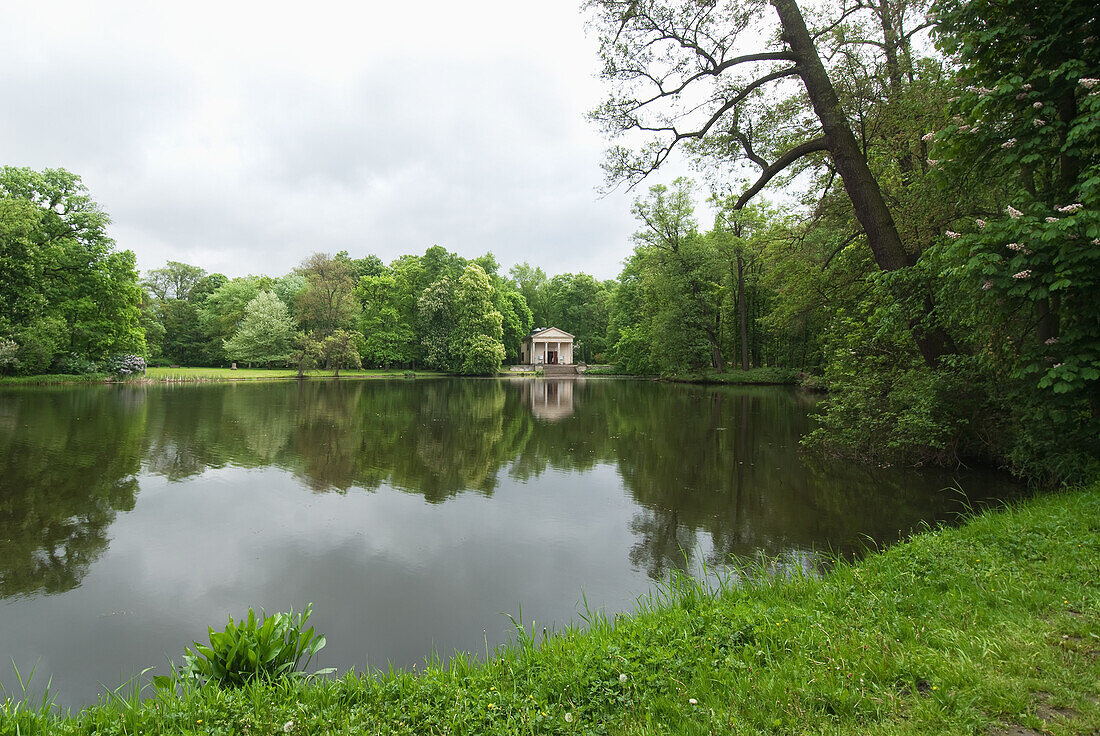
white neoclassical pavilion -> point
(547, 346)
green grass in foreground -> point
(227, 374)
(974, 630)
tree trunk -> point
(741, 310)
(860, 184)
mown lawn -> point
(990, 628)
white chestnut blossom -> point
(1013, 212)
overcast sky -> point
(242, 137)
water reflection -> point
(551, 398)
(60, 493)
(410, 512)
(718, 468)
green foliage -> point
(327, 302)
(481, 356)
(63, 287)
(266, 648)
(265, 333)
(73, 365)
(388, 338)
(39, 341)
(341, 349)
(476, 344)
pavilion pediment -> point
(552, 333)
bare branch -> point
(788, 158)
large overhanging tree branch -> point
(678, 80)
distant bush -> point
(73, 365)
(9, 355)
(125, 365)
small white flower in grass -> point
(1070, 208)
(952, 234)
(1009, 143)
(933, 161)
(1052, 219)
(1022, 274)
(622, 678)
(966, 128)
(1037, 105)
(1088, 83)
(1052, 341)
(1013, 212)
(693, 701)
(928, 136)
(568, 717)
(287, 726)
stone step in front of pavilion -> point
(559, 370)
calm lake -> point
(412, 513)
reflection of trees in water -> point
(714, 468)
(70, 464)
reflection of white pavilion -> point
(551, 399)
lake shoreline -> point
(985, 627)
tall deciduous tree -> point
(477, 346)
(683, 71)
(265, 334)
(64, 289)
(327, 303)
(388, 338)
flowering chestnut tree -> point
(1028, 125)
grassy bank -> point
(751, 377)
(982, 629)
(251, 374)
(52, 378)
(196, 375)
